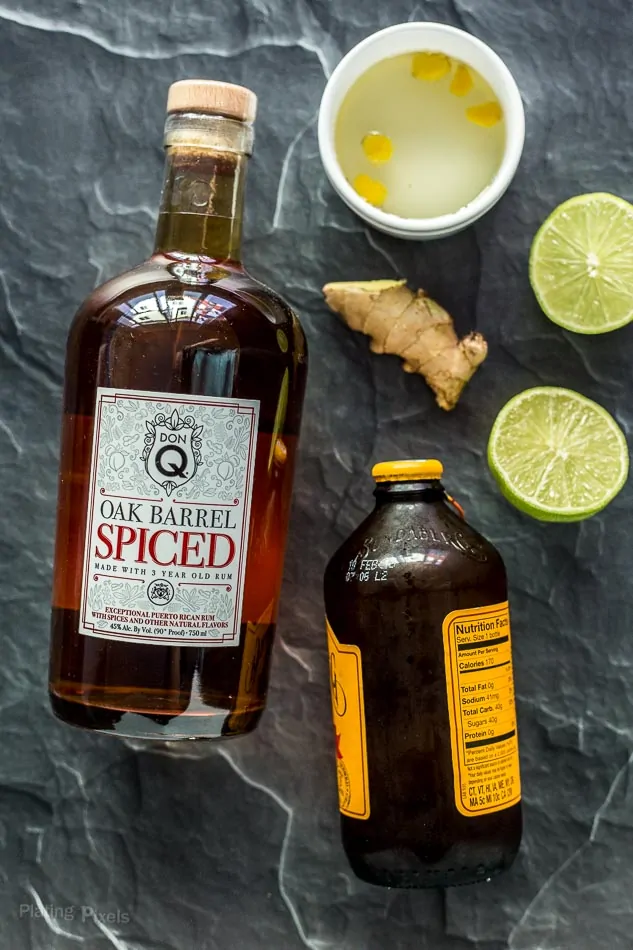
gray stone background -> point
(239, 848)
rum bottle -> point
(182, 402)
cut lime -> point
(581, 264)
(556, 455)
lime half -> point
(556, 455)
(581, 264)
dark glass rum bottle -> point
(422, 690)
(182, 403)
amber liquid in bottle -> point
(188, 321)
(422, 562)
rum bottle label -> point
(168, 518)
(481, 709)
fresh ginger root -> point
(412, 326)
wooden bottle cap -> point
(213, 98)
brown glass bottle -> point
(427, 761)
(190, 351)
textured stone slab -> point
(237, 848)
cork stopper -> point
(212, 97)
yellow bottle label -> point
(348, 713)
(481, 710)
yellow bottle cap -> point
(407, 470)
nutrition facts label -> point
(480, 687)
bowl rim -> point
(487, 197)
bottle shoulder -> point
(429, 546)
(123, 287)
(182, 288)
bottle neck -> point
(203, 193)
(429, 491)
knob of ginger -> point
(413, 326)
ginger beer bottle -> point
(182, 403)
(422, 690)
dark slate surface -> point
(237, 846)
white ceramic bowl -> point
(412, 38)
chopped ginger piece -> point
(486, 115)
(462, 81)
(371, 190)
(430, 66)
(378, 148)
